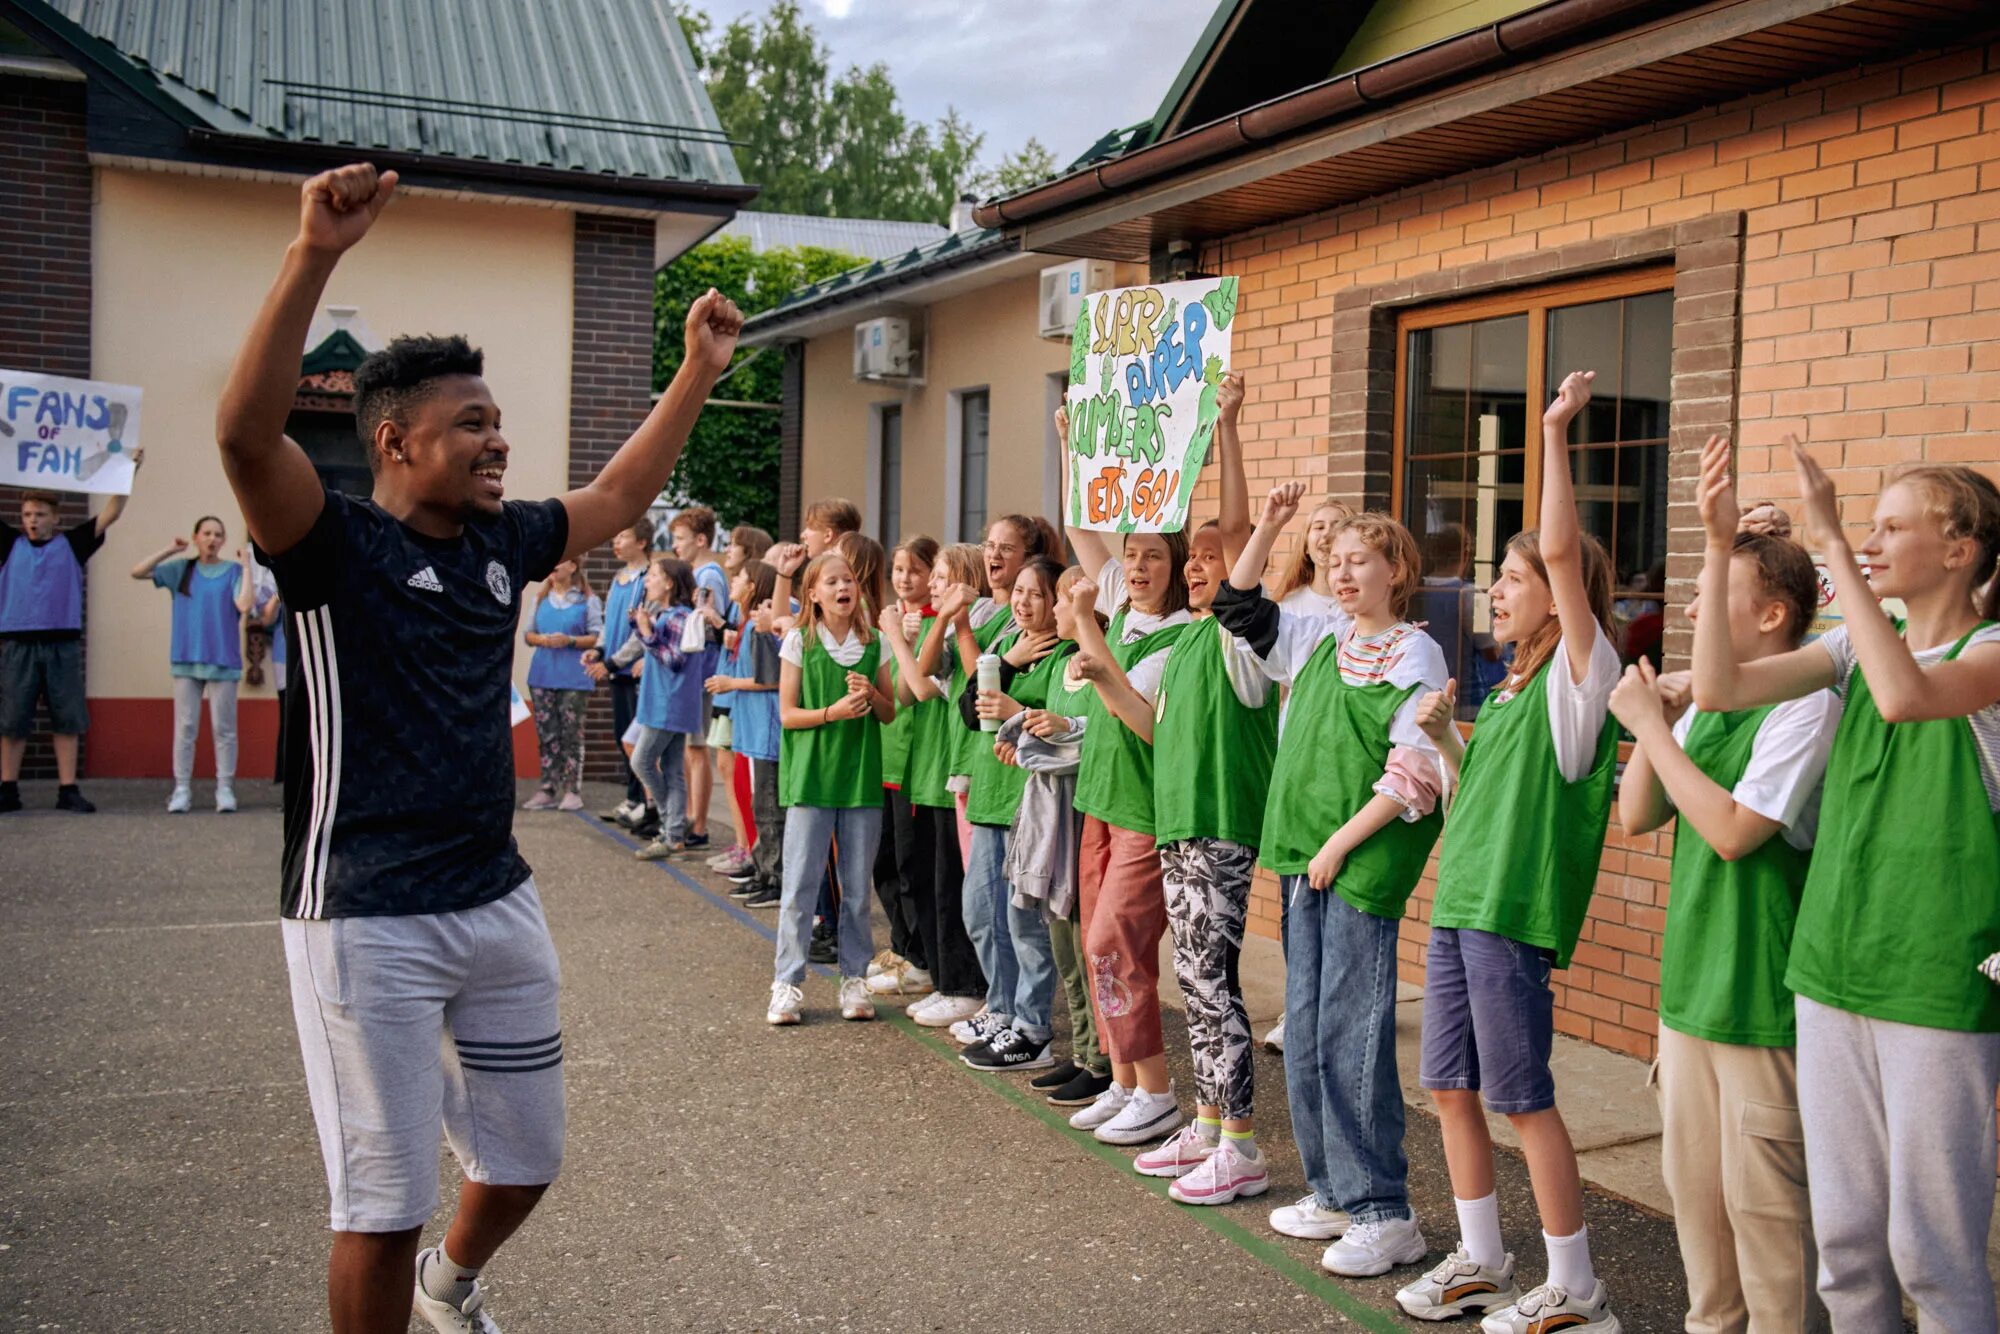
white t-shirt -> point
(1302, 601)
(846, 651)
(1985, 723)
(1787, 761)
(1577, 709)
(1145, 674)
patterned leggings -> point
(1208, 896)
(559, 734)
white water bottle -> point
(989, 679)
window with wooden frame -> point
(1472, 379)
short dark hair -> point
(392, 381)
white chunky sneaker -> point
(1309, 1220)
(1107, 1105)
(1375, 1247)
(1549, 1308)
(468, 1317)
(1226, 1174)
(948, 1010)
(881, 963)
(904, 979)
(225, 799)
(916, 1009)
(1145, 1116)
(979, 1028)
(786, 1003)
(1275, 1039)
(1456, 1286)
(181, 802)
(1180, 1155)
(854, 1002)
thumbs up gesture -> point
(1437, 710)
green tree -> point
(731, 460)
(1032, 165)
(831, 147)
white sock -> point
(445, 1279)
(1479, 1231)
(1569, 1262)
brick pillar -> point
(44, 267)
(611, 385)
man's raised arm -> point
(632, 481)
(274, 481)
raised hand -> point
(336, 208)
(956, 599)
(1634, 701)
(1083, 596)
(1715, 498)
(1090, 667)
(1229, 396)
(913, 624)
(763, 619)
(1822, 505)
(713, 325)
(1282, 505)
(1437, 710)
(891, 625)
(1571, 397)
(1676, 692)
(1062, 427)
(787, 557)
(178, 544)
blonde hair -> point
(1964, 504)
(1391, 540)
(1300, 570)
(810, 616)
(965, 563)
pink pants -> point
(1124, 910)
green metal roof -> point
(604, 87)
(1393, 27)
(975, 243)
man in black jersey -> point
(400, 869)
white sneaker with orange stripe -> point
(1457, 1286)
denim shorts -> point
(1489, 1019)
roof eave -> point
(784, 323)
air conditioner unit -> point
(882, 349)
(1063, 289)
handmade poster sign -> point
(1145, 365)
(60, 434)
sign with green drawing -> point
(1145, 365)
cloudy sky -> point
(1064, 71)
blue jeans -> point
(986, 894)
(656, 759)
(1340, 1054)
(809, 832)
(1035, 974)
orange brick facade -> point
(1866, 207)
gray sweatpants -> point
(767, 855)
(1900, 1156)
(188, 695)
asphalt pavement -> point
(159, 1171)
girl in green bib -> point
(936, 863)
(1013, 942)
(1349, 823)
(1746, 788)
(1898, 1032)
(1515, 874)
(1123, 897)
(834, 692)
(904, 968)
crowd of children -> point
(1041, 772)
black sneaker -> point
(70, 798)
(694, 842)
(744, 874)
(745, 889)
(767, 896)
(1052, 1079)
(823, 950)
(10, 798)
(648, 828)
(1080, 1090)
(1009, 1049)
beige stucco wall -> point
(984, 339)
(181, 264)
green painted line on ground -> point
(1307, 1277)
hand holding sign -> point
(68, 435)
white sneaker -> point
(225, 799)
(948, 1010)
(1275, 1039)
(880, 964)
(854, 1002)
(181, 802)
(906, 979)
(1225, 1175)
(916, 1009)
(1550, 1307)
(1459, 1287)
(468, 1317)
(1107, 1105)
(979, 1028)
(1375, 1247)
(1180, 1155)
(1309, 1220)
(1145, 1116)
(786, 1002)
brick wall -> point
(1869, 315)
(44, 266)
(611, 385)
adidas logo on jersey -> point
(427, 580)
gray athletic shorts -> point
(409, 1023)
(51, 670)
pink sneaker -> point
(1180, 1154)
(544, 800)
(1225, 1175)
(571, 801)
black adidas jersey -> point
(399, 765)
